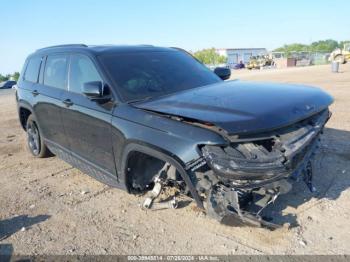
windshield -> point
(144, 75)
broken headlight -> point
(244, 162)
(270, 155)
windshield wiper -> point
(139, 100)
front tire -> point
(35, 142)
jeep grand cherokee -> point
(142, 118)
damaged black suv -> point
(142, 118)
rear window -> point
(32, 72)
(10, 83)
(56, 71)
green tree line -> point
(210, 57)
(14, 76)
(320, 46)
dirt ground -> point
(48, 207)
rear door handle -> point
(35, 92)
(68, 102)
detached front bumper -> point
(252, 172)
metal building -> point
(235, 55)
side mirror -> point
(95, 91)
(223, 72)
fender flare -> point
(25, 105)
(161, 155)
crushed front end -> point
(241, 179)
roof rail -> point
(58, 46)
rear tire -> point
(35, 142)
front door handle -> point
(68, 102)
(35, 92)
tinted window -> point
(32, 70)
(56, 71)
(82, 70)
(10, 83)
(150, 74)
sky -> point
(190, 24)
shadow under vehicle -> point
(15, 224)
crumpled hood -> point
(243, 107)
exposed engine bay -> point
(239, 180)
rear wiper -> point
(139, 100)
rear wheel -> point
(35, 142)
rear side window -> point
(82, 70)
(55, 74)
(32, 72)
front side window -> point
(141, 75)
(32, 71)
(82, 70)
(55, 74)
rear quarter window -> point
(32, 71)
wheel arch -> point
(24, 111)
(162, 155)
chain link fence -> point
(304, 58)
